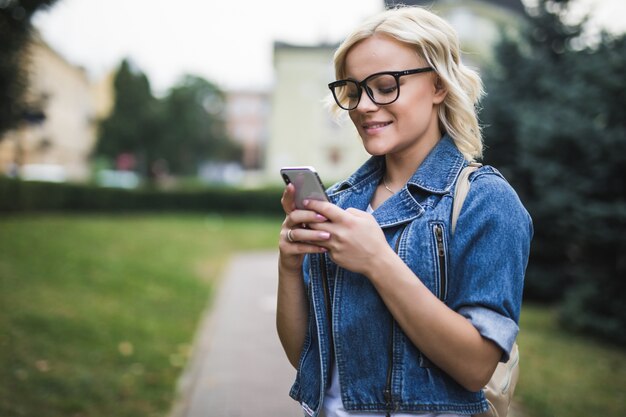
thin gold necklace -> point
(387, 187)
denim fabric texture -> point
(479, 274)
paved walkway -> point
(238, 367)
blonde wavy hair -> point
(436, 42)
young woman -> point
(381, 309)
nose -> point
(365, 102)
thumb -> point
(288, 200)
(356, 212)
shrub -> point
(21, 196)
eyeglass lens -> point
(381, 89)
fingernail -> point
(320, 217)
(324, 235)
(305, 203)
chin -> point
(374, 147)
(375, 151)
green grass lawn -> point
(97, 313)
(566, 375)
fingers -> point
(304, 218)
(358, 213)
(297, 237)
(288, 199)
(296, 216)
(298, 241)
(326, 209)
(308, 236)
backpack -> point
(499, 389)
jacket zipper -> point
(328, 305)
(387, 394)
(441, 256)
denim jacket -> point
(478, 272)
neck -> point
(399, 168)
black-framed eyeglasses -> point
(382, 88)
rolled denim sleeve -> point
(493, 326)
(488, 258)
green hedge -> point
(26, 196)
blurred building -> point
(247, 122)
(54, 142)
(302, 130)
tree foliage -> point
(15, 35)
(555, 126)
(132, 128)
(179, 131)
(195, 128)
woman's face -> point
(410, 124)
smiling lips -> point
(373, 126)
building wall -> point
(247, 122)
(302, 130)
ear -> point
(440, 91)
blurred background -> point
(143, 128)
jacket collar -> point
(440, 168)
(436, 175)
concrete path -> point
(238, 367)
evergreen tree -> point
(593, 172)
(134, 125)
(555, 126)
(529, 77)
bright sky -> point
(226, 42)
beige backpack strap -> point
(460, 192)
(499, 390)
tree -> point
(195, 127)
(596, 222)
(15, 35)
(133, 127)
(528, 70)
(179, 131)
(555, 127)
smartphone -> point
(307, 182)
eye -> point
(352, 91)
(387, 89)
(383, 85)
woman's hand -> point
(297, 238)
(355, 240)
